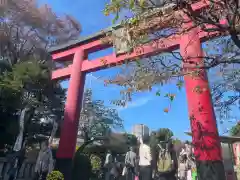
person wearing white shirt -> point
(145, 160)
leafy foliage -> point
(95, 162)
(27, 31)
(31, 86)
(55, 175)
(164, 134)
(81, 166)
(155, 20)
(235, 130)
(96, 119)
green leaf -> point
(158, 93)
(138, 63)
(131, 4)
(172, 97)
(115, 18)
(180, 84)
(141, 3)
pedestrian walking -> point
(44, 164)
(145, 160)
(130, 162)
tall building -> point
(140, 130)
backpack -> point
(164, 163)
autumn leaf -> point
(166, 110)
(104, 61)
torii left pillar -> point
(67, 144)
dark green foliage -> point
(131, 140)
(55, 175)
(82, 168)
(164, 134)
(235, 130)
(29, 84)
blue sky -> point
(146, 108)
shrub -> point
(81, 167)
(95, 162)
(55, 175)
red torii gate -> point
(203, 123)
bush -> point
(81, 167)
(55, 175)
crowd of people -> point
(152, 163)
(44, 163)
(141, 163)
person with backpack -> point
(167, 164)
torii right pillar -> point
(206, 141)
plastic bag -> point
(124, 172)
(136, 178)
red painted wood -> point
(80, 66)
(69, 129)
(111, 60)
(62, 73)
(200, 104)
(98, 44)
(91, 46)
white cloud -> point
(136, 103)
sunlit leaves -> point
(97, 119)
(180, 84)
(158, 93)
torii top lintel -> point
(94, 43)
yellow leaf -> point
(141, 2)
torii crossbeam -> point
(205, 134)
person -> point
(183, 166)
(16, 162)
(167, 165)
(191, 166)
(130, 162)
(145, 160)
(44, 164)
(108, 165)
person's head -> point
(44, 145)
(131, 148)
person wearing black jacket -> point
(171, 174)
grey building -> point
(140, 130)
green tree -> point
(164, 134)
(31, 87)
(96, 119)
(235, 130)
(27, 31)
